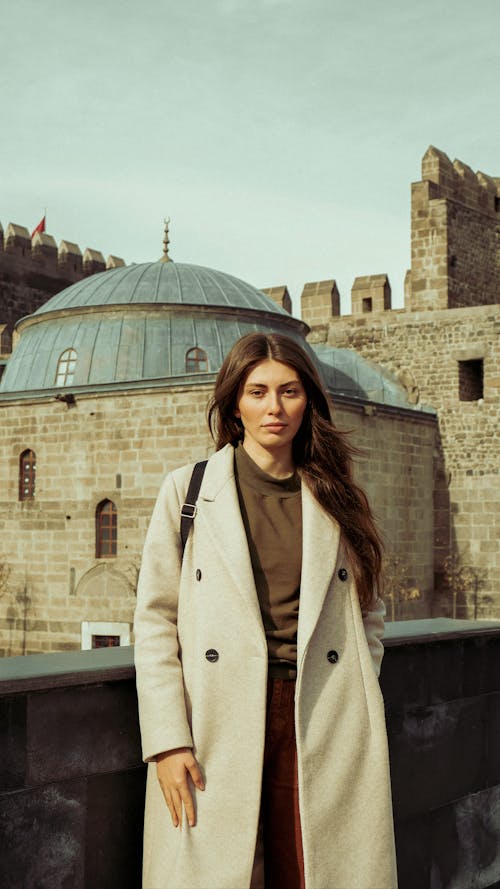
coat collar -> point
(320, 543)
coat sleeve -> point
(160, 687)
(373, 622)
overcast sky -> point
(280, 136)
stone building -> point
(443, 347)
(106, 391)
(33, 269)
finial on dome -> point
(166, 241)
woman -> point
(258, 650)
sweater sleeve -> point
(160, 687)
(373, 621)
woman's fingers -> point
(196, 776)
(187, 799)
(173, 768)
(177, 801)
(171, 809)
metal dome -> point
(162, 283)
(159, 322)
(138, 325)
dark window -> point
(106, 525)
(27, 475)
(105, 641)
(470, 380)
(367, 304)
(66, 368)
(196, 361)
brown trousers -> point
(280, 819)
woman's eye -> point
(256, 392)
(290, 391)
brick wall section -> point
(424, 349)
(370, 293)
(33, 270)
(49, 543)
(320, 300)
(16, 300)
(281, 296)
(455, 239)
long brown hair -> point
(320, 451)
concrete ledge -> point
(64, 669)
(405, 632)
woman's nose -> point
(274, 406)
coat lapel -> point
(219, 505)
(320, 544)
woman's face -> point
(271, 404)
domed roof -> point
(146, 325)
(162, 283)
(348, 373)
(139, 325)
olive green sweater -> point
(272, 514)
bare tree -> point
(399, 586)
(4, 576)
(463, 582)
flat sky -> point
(280, 136)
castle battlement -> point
(27, 259)
(32, 269)
(454, 250)
(457, 182)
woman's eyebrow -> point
(294, 382)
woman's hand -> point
(172, 768)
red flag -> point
(40, 227)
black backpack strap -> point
(188, 509)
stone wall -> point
(443, 347)
(425, 350)
(118, 446)
(455, 240)
(34, 269)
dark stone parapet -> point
(441, 684)
(72, 780)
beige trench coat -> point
(218, 707)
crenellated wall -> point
(455, 243)
(34, 269)
(443, 347)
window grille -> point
(196, 361)
(104, 634)
(27, 475)
(106, 529)
(66, 368)
(99, 641)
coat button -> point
(332, 656)
(212, 655)
(343, 575)
(198, 574)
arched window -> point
(196, 361)
(66, 368)
(27, 473)
(106, 529)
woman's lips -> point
(275, 427)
